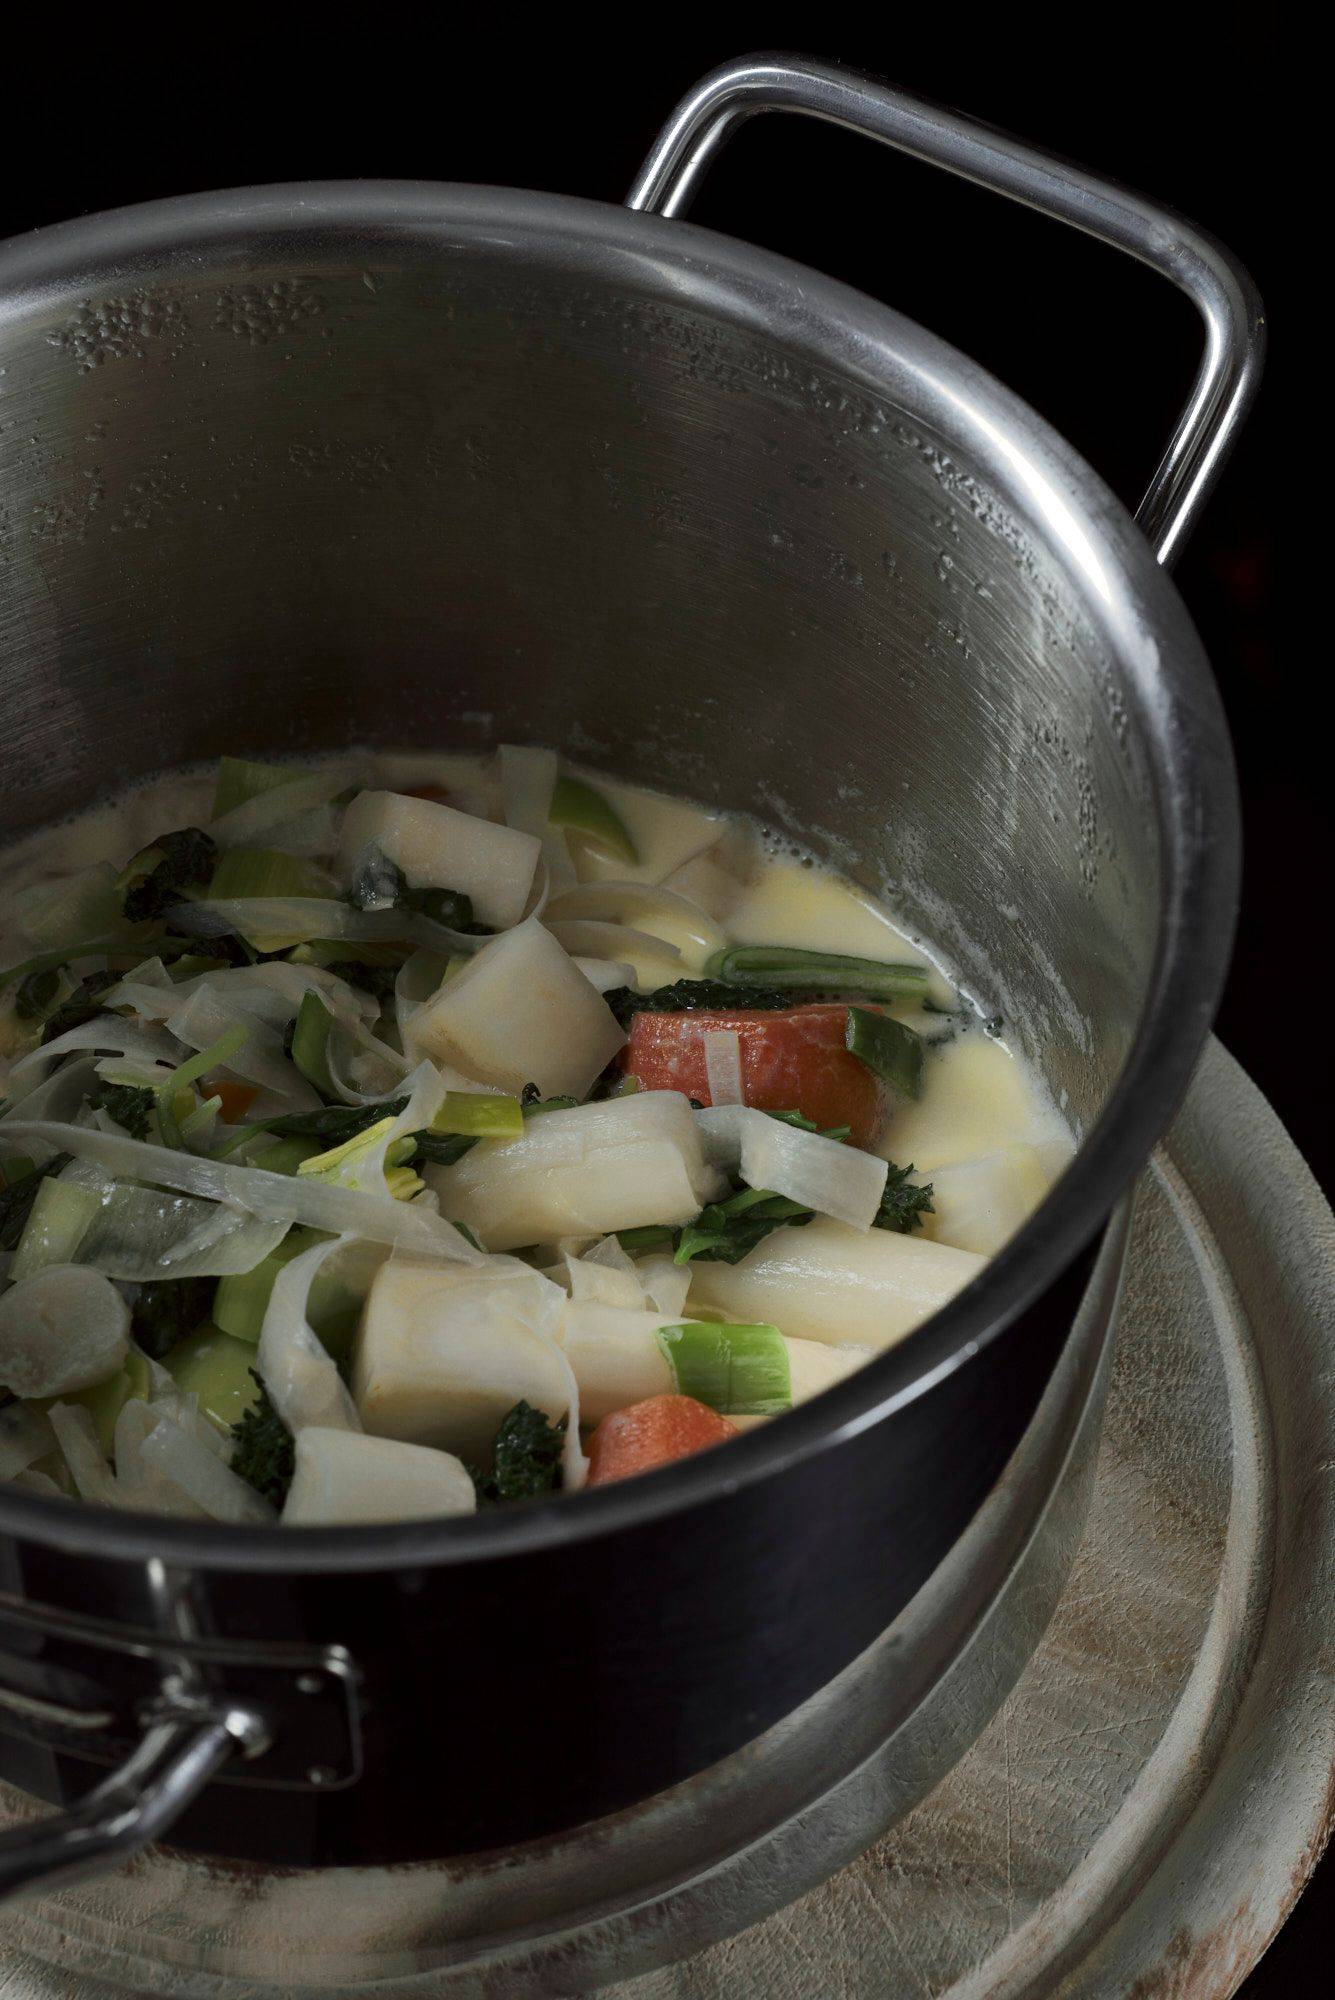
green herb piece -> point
(263, 1453)
(526, 1457)
(17, 1198)
(737, 1370)
(131, 1105)
(160, 874)
(579, 808)
(310, 1043)
(165, 1310)
(887, 1048)
(904, 1203)
(784, 966)
(724, 1232)
(83, 1004)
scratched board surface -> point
(1137, 1820)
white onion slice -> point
(76, 1435)
(204, 1019)
(107, 1034)
(825, 1174)
(665, 1284)
(528, 779)
(139, 1235)
(299, 1373)
(723, 1065)
(140, 1484)
(605, 973)
(204, 1478)
(64, 1328)
(593, 938)
(272, 1197)
(626, 902)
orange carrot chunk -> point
(237, 1098)
(653, 1433)
(791, 1061)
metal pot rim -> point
(1129, 598)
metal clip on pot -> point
(1217, 284)
(285, 1715)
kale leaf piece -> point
(904, 1204)
(84, 1004)
(16, 1200)
(154, 879)
(263, 1453)
(335, 1123)
(526, 1457)
(165, 1310)
(130, 1104)
(380, 884)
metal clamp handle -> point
(1209, 274)
(133, 1806)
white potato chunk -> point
(440, 848)
(582, 1172)
(521, 1011)
(831, 1283)
(442, 1355)
(344, 1477)
(979, 1204)
(64, 1328)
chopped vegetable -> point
(796, 1059)
(580, 809)
(525, 1456)
(887, 1048)
(831, 972)
(85, 1003)
(738, 1370)
(344, 1477)
(827, 1282)
(239, 781)
(518, 1010)
(131, 1105)
(18, 1196)
(64, 1328)
(34, 995)
(57, 1223)
(161, 872)
(218, 1370)
(310, 1044)
(434, 844)
(653, 1433)
(263, 1453)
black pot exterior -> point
(510, 1700)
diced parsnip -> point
(520, 1011)
(440, 1359)
(345, 1476)
(617, 1360)
(582, 1172)
(979, 1204)
(830, 1283)
(439, 848)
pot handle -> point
(133, 1805)
(1209, 274)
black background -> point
(1185, 103)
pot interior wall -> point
(412, 490)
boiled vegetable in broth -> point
(404, 1136)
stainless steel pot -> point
(290, 467)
